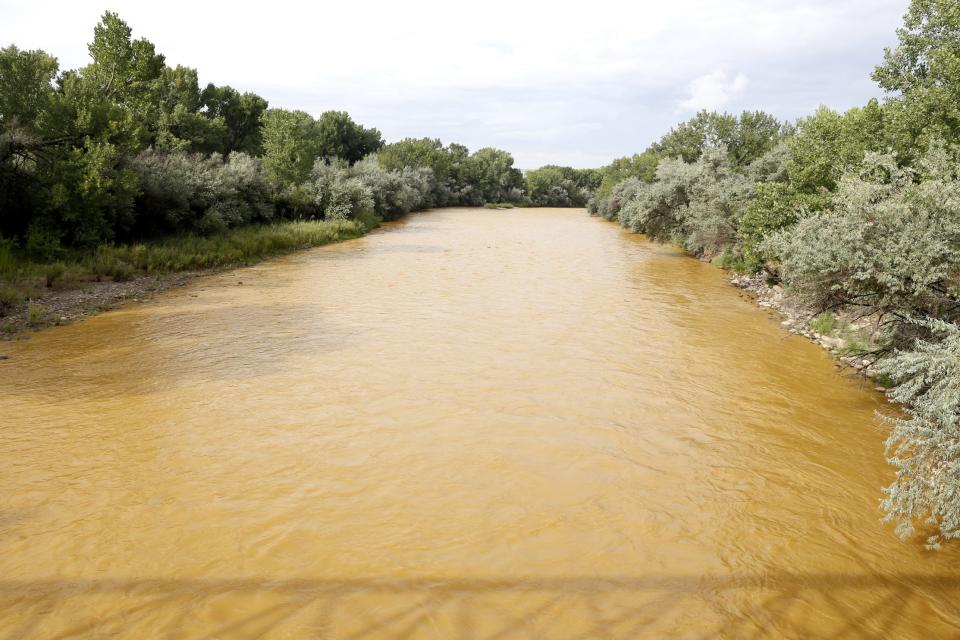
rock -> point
(880, 389)
(4, 357)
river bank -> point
(40, 295)
(848, 349)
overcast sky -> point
(576, 83)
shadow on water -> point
(793, 605)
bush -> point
(189, 192)
(925, 444)
(717, 199)
(775, 206)
(35, 314)
(9, 298)
(890, 245)
(54, 272)
(657, 209)
(394, 192)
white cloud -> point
(713, 91)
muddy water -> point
(470, 424)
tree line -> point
(128, 148)
(855, 212)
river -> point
(467, 424)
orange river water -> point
(467, 424)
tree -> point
(755, 133)
(642, 166)
(489, 176)
(745, 138)
(240, 114)
(340, 137)
(828, 143)
(26, 87)
(125, 72)
(290, 145)
(26, 93)
(180, 125)
(923, 74)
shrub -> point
(35, 314)
(925, 444)
(717, 197)
(54, 272)
(9, 298)
(890, 246)
(189, 192)
(775, 206)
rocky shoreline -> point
(796, 319)
(59, 306)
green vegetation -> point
(857, 213)
(35, 314)
(126, 166)
(237, 246)
(234, 247)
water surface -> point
(469, 424)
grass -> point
(35, 315)
(727, 260)
(857, 341)
(21, 278)
(244, 245)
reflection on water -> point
(476, 424)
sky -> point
(572, 83)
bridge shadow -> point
(781, 605)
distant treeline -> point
(855, 212)
(129, 148)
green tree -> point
(290, 145)
(240, 114)
(340, 137)
(923, 74)
(642, 166)
(828, 143)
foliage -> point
(745, 138)
(775, 206)
(190, 192)
(642, 166)
(622, 193)
(458, 177)
(555, 186)
(890, 245)
(828, 143)
(924, 445)
(923, 75)
(290, 145)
